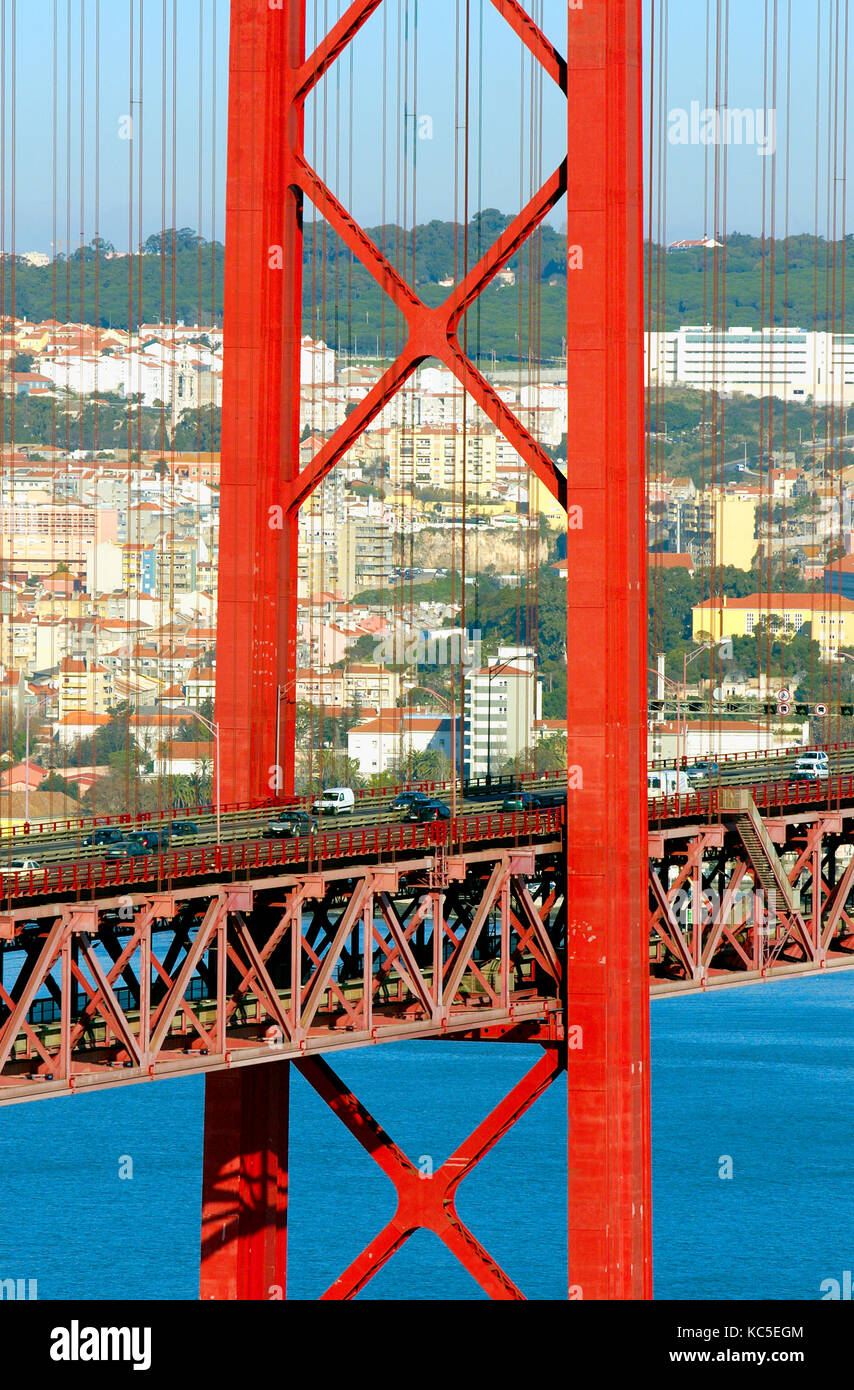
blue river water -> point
(755, 1082)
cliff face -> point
(505, 552)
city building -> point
(789, 363)
(503, 704)
(83, 685)
(386, 741)
(830, 617)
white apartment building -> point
(789, 363)
(504, 701)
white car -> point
(23, 865)
(814, 762)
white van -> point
(335, 801)
(666, 782)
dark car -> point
(105, 835)
(428, 810)
(184, 827)
(706, 770)
(289, 825)
(404, 801)
(521, 801)
(152, 840)
(132, 848)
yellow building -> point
(431, 456)
(543, 501)
(830, 616)
(716, 526)
(733, 529)
(84, 686)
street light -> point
(686, 660)
(680, 722)
(214, 729)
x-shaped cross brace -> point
(427, 1202)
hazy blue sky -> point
(50, 205)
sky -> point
(69, 170)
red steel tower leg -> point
(609, 1135)
(256, 628)
(245, 1183)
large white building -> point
(504, 701)
(386, 741)
(789, 363)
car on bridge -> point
(335, 801)
(131, 848)
(404, 801)
(814, 762)
(105, 835)
(18, 866)
(704, 770)
(427, 811)
(152, 839)
(522, 801)
(181, 828)
(667, 781)
(804, 774)
(290, 825)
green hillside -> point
(180, 276)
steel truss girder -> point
(265, 971)
(773, 937)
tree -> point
(334, 769)
(55, 783)
(191, 731)
(181, 791)
(363, 649)
(198, 429)
(131, 762)
(548, 755)
(114, 737)
(432, 765)
(170, 240)
(113, 795)
(389, 778)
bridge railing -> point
(771, 794)
(255, 856)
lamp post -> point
(680, 722)
(686, 659)
(214, 729)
